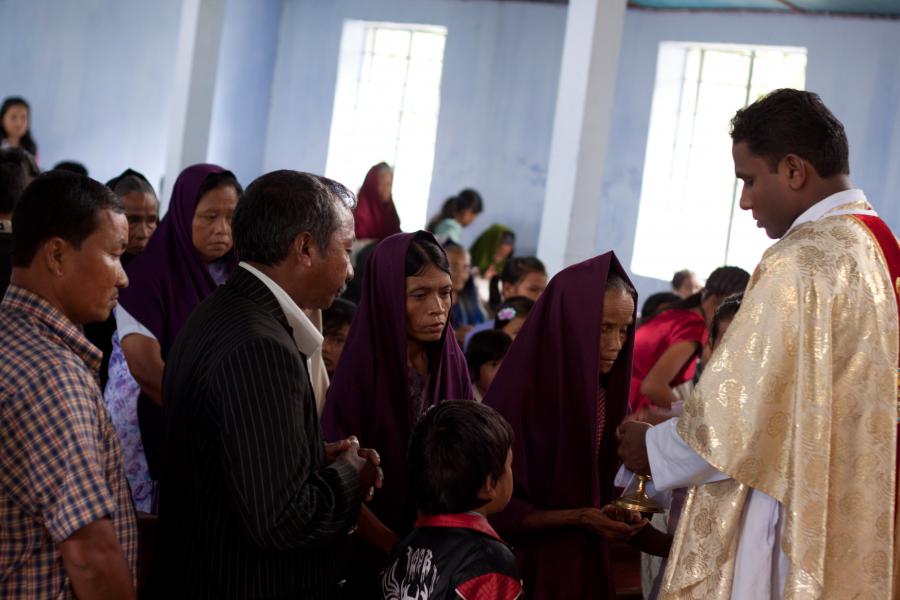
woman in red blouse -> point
(667, 345)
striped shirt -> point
(60, 460)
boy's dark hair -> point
(518, 306)
(339, 314)
(59, 204)
(725, 312)
(790, 121)
(453, 449)
(484, 347)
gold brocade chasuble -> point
(800, 402)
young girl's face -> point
(332, 347)
(531, 286)
(460, 268)
(486, 375)
(427, 304)
(15, 121)
(513, 327)
(466, 216)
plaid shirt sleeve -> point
(57, 455)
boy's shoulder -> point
(453, 556)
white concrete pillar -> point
(581, 127)
(196, 66)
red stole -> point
(891, 252)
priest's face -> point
(766, 193)
(618, 316)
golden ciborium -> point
(638, 500)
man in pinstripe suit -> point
(252, 503)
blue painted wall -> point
(240, 111)
(854, 64)
(498, 93)
(98, 75)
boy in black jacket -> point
(460, 468)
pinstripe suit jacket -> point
(248, 508)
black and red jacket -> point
(452, 557)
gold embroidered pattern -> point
(796, 400)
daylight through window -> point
(689, 215)
(386, 108)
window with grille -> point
(386, 107)
(689, 215)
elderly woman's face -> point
(141, 210)
(211, 227)
(427, 304)
(618, 315)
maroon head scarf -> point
(375, 219)
(368, 397)
(169, 279)
(547, 388)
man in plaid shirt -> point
(67, 524)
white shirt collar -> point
(306, 336)
(826, 205)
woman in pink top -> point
(667, 345)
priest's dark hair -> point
(789, 121)
(453, 449)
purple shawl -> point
(547, 388)
(368, 395)
(169, 279)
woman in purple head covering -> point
(400, 358)
(563, 387)
(188, 256)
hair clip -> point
(507, 314)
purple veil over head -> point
(169, 279)
(547, 388)
(368, 397)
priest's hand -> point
(633, 446)
(598, 522)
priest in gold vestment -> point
(788, 445)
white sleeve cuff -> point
(126, 325)
(674, 464)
